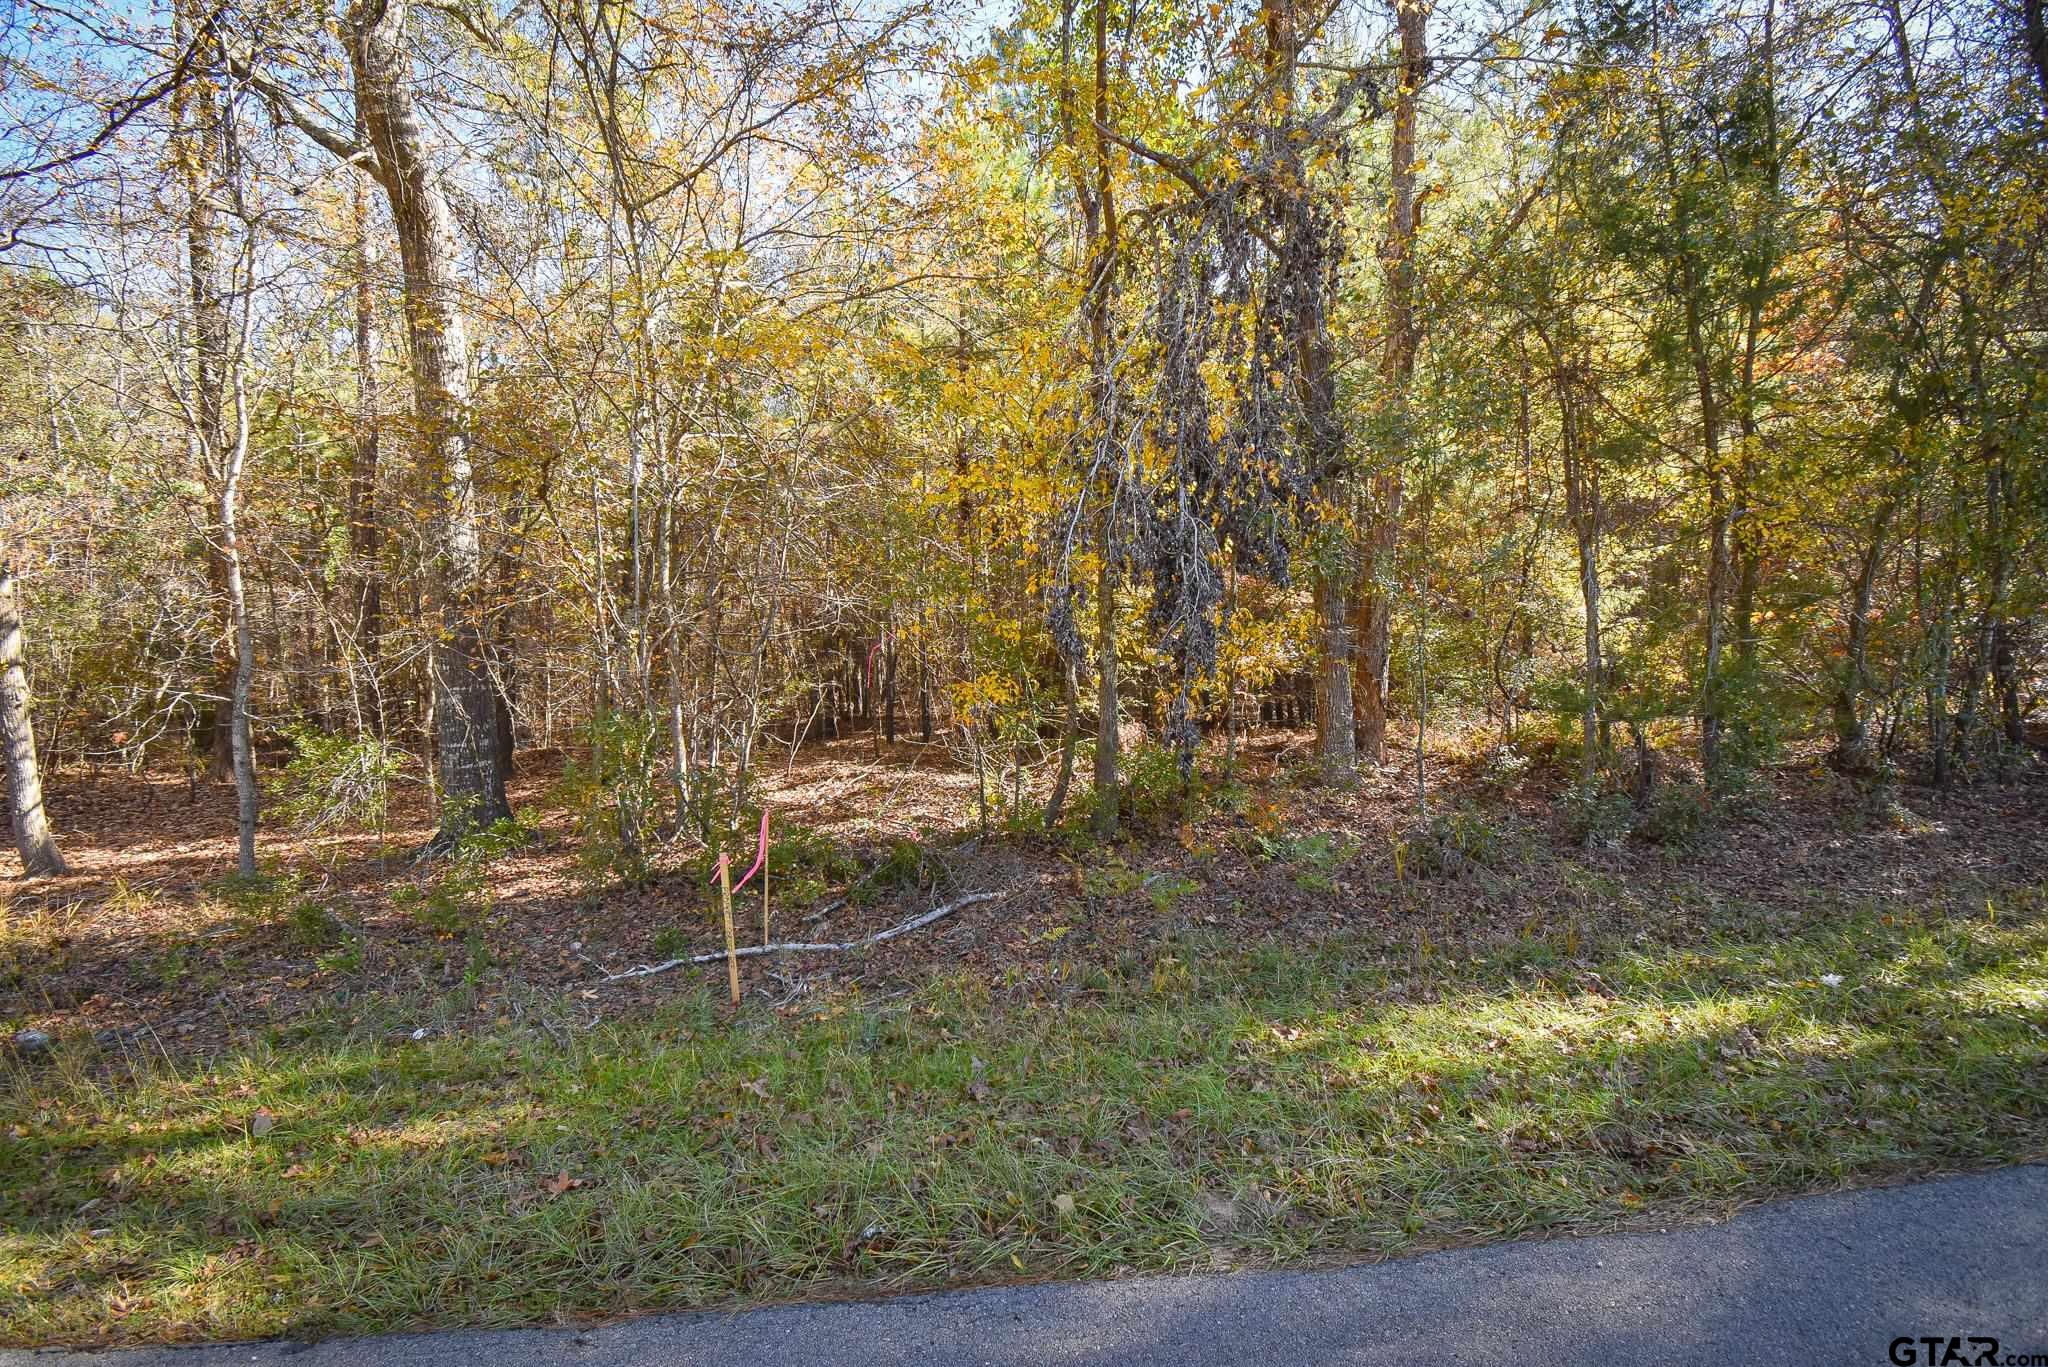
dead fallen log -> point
(717, 956)
(822, 912)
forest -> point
(541, 534)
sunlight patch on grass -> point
(1264, 1107)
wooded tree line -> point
(678, 379)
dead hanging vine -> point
(1239, 425)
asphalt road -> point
(1823, 1280)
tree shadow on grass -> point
(1277, 1110)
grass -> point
(1215, 1107)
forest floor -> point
(1275, 1026)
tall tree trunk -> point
(1336, 652)
(196, 139)
(1691, 289)
(472, 769)
(243, 749)
(1308, 253)
(365, 526)
(1107, 738)
(1760, 272)
(1717, 561)
(889, 677)
(924, 681)
(1582, 506)
(38, 848)
(1070, 734)
(1100, 222)
(1852, 737)
(2036, 25)
(1520, 633)
(2005, 678)
(1941, 649)
(1397, 368)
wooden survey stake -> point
(732, 957)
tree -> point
(1382, 521)
(398, 151)
(40, 857)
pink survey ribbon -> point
(760, 855)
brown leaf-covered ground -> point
(142, 942)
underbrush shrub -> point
(906, 864)
(335, 781)
(314, 925)
(455, 897)
(1678, 814)
(1560, 697)
(1506, 766)
(1880, 806)
(1155, 792)
(805, 863)
(1449, 844)
(1592, 816)
(1113, 881)
(611, 792)
(279, 898)
(1020, 819)
(1753, 723)
(261, 897)
(1313, 859)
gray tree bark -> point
(1582, 507)
(1852, 736)
(196, 136)
(38, 848)
(472, 767)
(365, 526)
(1375, 610)
(242, 751)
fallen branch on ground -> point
(717, 956)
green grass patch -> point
(1252, 1106)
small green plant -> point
(804, 863)
(1171, 977)
(1167, 889)
(314, 925)
(1155, 792)
(611, 791)
(1115, 880)
(1506, 766)
(1878, 806)
(333, 780)
(457, 897)
(1594, 817)
(1678, 814)
(447, 905)
(173, 965)
(1448, 844)
(1025, 819)
(346, 960)
(1752, 716)
(260, 898)
(1314, 858)
(902, 867)
(670, 942)
(477, 958)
